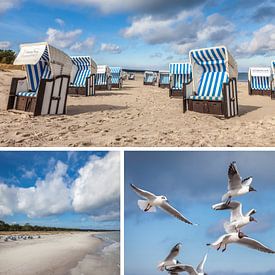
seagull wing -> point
(142, 193)
(181, 268)
(236, 211)
(229, 228)
(234, 178)
(173, 253)
(247, 181)
(201, 265)
(172, 211)
(251, 243)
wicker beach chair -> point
(149, 78)
(83, 76)
(214, 84)
(180, 74)
(103, 78)
(44, 89)
(117, 81)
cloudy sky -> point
(193, 181)
(143, 34)
(63, 189)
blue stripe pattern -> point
(164, 78)
(182, 73)
(260, 83)
(83, 64)
(213, 63)
(116, 74)
(36, 72)
(100, 79)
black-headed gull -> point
(236, 186)
(152, 201)
(237, 219)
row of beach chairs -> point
(208, 81)
(51, 75)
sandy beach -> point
(64, 253)
(137, 116)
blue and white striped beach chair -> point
(259, 81)
(214, 84)
(180, 74)
(149, 78)
(83, 76)
(272, 88)
(164, 79)
(45, 87)
(116, 73)
(103, 78)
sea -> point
(242, 77)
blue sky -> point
(143, 34)
(192, 182)
(62, 189)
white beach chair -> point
(214, 84)
(180, 77)
(164, 79)
(44, 89)
(103, 78)
(149, 78)
(83, 76)
(116, 73)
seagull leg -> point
(224, 248)
(219, 247)
(147, 207)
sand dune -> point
(137, 115)
(55, 254)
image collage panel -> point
(137, 137)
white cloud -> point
(86, 44)
(111, 48)
(111, 216)
(62, 39)
(262, 42)
(98, 183)
(4, 45)
(6, 5)
(7, 197)
(60, 22)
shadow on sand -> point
(81, 109)
(244, 109)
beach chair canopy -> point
(181, 72)
(149, 76)
(164, 77)
(103, 73)
(83, 67)
(42, 61)
(116, 73)
(260, 78)
(211, 68)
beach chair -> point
(116, 73)
(214, 84)
(103, 78)
(149, 78)
(272, 88)
(44, 89)
(180, 74)
(259, 81)
(83, 76)
(164, 79)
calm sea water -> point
(243, 77)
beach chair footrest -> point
(25, 103)
(77, 91)
(261, 92)
(205, 107)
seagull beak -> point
(255, 220)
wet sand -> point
(137, 116)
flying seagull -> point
(170, 259)
(237, 219)
(239, 238)
(236, 186)
(177, 268)
(152, 201)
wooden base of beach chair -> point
(77, 91)
(206, 107)
(149, 83)
(164, 86)
(175, 92)
(260, 92)
(117, 86)
(103, 88)
(51, 97)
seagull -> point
(152, 201)
(177, 268)
(239, 238)
(236, 186)
(237, 219)
(170, 259)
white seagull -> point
(237, 219)
(152, 201)
(177, 268)
(236, 186)
(239, 238)
(170, 259)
